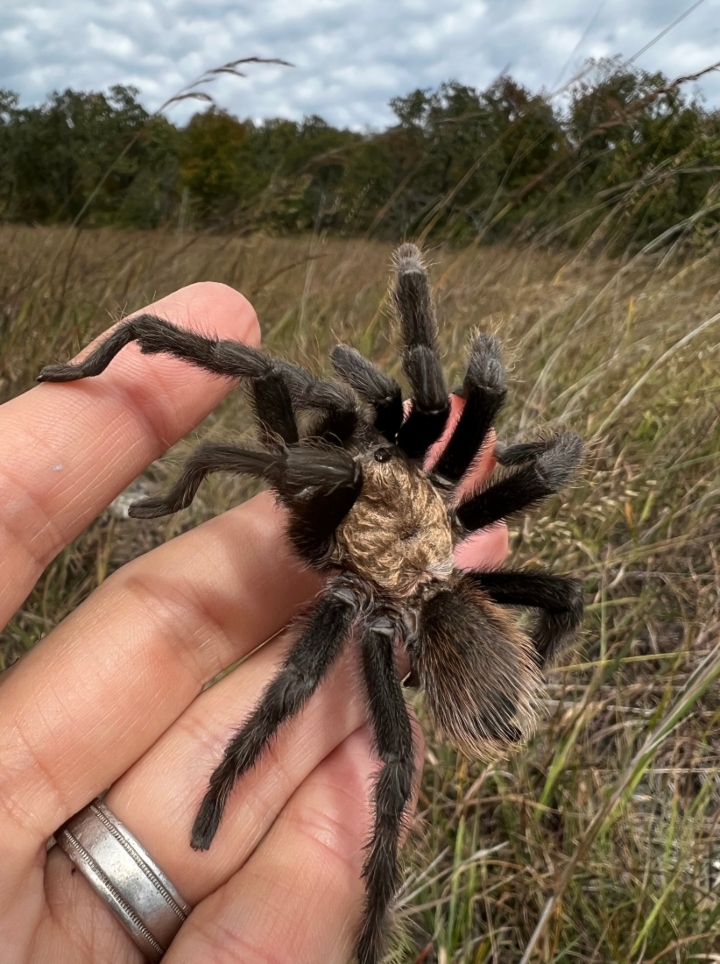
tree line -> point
(622, 152)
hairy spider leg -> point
(231, 359)
(484, 391)
(477, 668)
(393, 787)
(304, 668)
(154, 335)
(273, 409)
(559, 599)
(318, 486)
(208, 457)
(521, 452)
(410, 296)
(340, 414)
(543, 475)
(373, 386)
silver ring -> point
(124, 874)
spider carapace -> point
(349, 461)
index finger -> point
(68, 450)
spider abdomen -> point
(397, 534)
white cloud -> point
(111, 43)
(351, 56)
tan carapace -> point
(397, 533)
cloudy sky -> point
(350, 56)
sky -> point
(350, 56)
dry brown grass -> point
(596, 842)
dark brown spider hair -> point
(364, 510)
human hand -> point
(113, 696)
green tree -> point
(76, 155)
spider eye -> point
(383, 455)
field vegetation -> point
(597, 842)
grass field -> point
(598, 841)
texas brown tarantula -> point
(363, 510)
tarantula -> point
(363, 509)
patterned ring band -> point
(125, 876)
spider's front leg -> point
(154, 335)
(394, 743)
(303, 670)
(277, 387)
